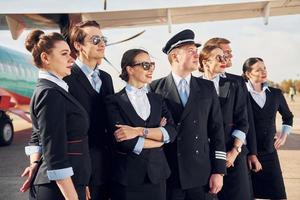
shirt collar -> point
(223, 75)
(215, 79)
(136, 91)
(265, 86)
(51, 77)
(85, 68)
(177, 78)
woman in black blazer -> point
(266, 101)
(140, 168)
(234, 111)
(59, 146)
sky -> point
(278, 43)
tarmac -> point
(13, 160)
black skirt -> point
(268, 183)
(236, 185)
(145, 191)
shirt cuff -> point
(59, 174)
(240, 135)
(286, 129)
(166, 137)
(32, 149)
(139, 146)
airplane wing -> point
(65, 14)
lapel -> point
(268, 97)
(81, 77)
(128, 109)
(154, 107)
(194, 88)
(103, 85)
(171, 92)
(224, 89)
(62, 91)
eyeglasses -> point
(145, 65)
(96, 39)
(221, 59)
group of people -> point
(177, 138)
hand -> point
(254, 163)
(230, 158)
(215, 183)
(87, 193)
(280, 140)
(163, 122)
(29, 171)
(125, 132)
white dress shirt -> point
(259, 97)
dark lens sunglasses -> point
(145, 65)
(221, 59)
(97, 39)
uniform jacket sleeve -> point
(51, 119)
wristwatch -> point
(145, 132)
(238, 149)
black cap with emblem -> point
(184, 37)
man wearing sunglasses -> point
(90, 85)
(197, 157)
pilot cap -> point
(184, 37)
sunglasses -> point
(145, 65)
(221, 59)
(97, 39)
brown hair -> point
(216, 42)
(128, 60)
(78, 35)
(205, 54)
(247, 66)
(37, 42)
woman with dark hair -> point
(58, 147)
(236, 184)
(140, 168)
(266, 101)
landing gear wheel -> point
(6, 132)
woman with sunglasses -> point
(236, 184)
(266, 101)
(59, 146)
(141, 125)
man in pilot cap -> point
(197, 157)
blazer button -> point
(195, 121)
(178, 124)
(197, 152)
(196, 137)
(179, 138)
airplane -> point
(17, 81)
(17, 16)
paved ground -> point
(13, 160)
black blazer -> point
(93, 102)
(264, 118)
(60, 126)
(128, 167)
(251, 147)
(200, 132)
(234, 109)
